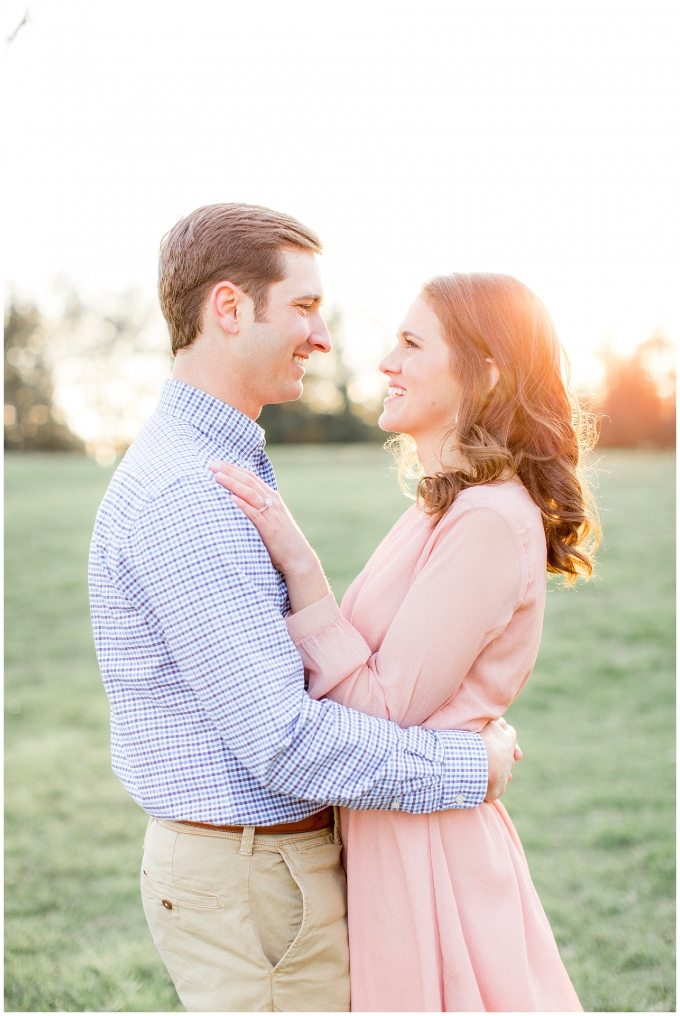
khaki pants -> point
(248, 923)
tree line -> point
(85, 380)
(636, 405)
(32, 420)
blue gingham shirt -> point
(210, 720)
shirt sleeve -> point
(184, 569)
(463, 597)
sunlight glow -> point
(530, 138)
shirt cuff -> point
(313, 619)
(465, 774)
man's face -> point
(277, 348)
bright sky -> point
(534, 138)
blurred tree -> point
(32, 421)
(111, 360)
(325, 412)
(638, 400)
(96, 371)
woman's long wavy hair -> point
(530, 425)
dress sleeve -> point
(464, 596)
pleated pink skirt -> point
(444, 917)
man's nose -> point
(320, 338)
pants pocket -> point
(276, 904)
(173, 898)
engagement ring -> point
(267, 504)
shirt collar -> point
(221, 423)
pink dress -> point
(441, 629)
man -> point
(213, 733)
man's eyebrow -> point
(314, 297)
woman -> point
(442, 629)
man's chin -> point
(289, 393)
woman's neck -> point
(436, 455)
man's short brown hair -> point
(238, 243)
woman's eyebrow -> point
(411, 335)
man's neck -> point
(210, 375)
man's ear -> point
(226, 305)
(494, 374)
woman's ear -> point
(494, 374)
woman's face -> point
(424, 397)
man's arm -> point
(185, 571)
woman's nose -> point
(388, 364)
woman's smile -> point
(424, 404)
(394, 392)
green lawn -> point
(593, 800)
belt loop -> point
(247, 837)
(336, 824)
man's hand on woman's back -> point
(500, 741)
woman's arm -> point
(465, 595)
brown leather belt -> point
(322, 820)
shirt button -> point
(167, 904)
(460, 799)
(395, 805)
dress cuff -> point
(313, 619)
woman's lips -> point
(394, 393)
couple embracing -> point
(323, 781)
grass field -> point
(593, 800)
